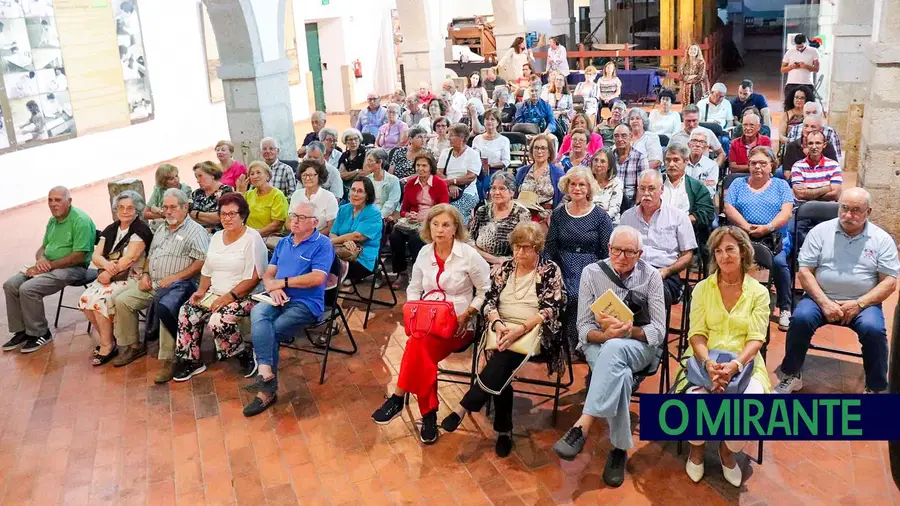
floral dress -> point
(204, 203)
(101, 298)
(542, 185)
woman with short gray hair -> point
(393, 132)
(328, 137)
(496, 219)
(119, 257)
(400, 161)
(643, 140)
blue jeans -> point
(164, 309)
(270, 325)
(782, 281)
(868, 325)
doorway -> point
(315, 64)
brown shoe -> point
(166, 372)
(129, 354)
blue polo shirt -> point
(313, 254)
(848, 267)
(755, 99)
(368, 223)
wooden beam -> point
(667, 32)
(700, 8)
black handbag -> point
(773, 241)
(636, 302)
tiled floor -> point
(72, 434)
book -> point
(609, 303)
(264, 297)
(208, 299)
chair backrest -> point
(368, 139)
(293, 164)
(716, 128)
(515, 138)
(663, 140)
(817, 211)
(763, 257)
(726, 183)
(526, 128)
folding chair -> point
(726, 183)
(90, 275)
(518, 149)
(357, 297)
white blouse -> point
(457, 167)
(323, 200)
(665, 124)
(495, 150)
(463, 270)
(228, 265)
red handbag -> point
(436, 318)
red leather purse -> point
(436, 318)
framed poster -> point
(134, 62)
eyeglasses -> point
(758, 163)
(853, 210)
(522, 247)
(125, 209)
(499, 189)
(695, 142)
(229, 215)
(540, 148)
(299, 217)
(629, 253)
(648, 189)
(308, 175)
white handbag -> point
(528, 345)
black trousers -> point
(495, 373)
(356, 271)
(672, 286)
(399, 241)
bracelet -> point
(494, 323)
(233, 296)
(286, 282)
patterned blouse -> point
(204, 203)
(551, 300)
(492, 235)
(542, 186)
(403, 166)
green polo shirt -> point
(76, 232)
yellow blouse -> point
(730, 332)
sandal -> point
(96, 351)
(99, 359)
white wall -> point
(537, 16)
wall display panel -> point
(134, 63)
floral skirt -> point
(100, 298)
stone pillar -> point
(848, 88)
(879, 150)
(598, 15)
(254, 72)
(562, 20)
(736, 19)
(423, 43)
(509, 23)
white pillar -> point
(509, 19)
(423, 43)
(562, 20)
(598, 15)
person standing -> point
(556, 58)
(799, 63)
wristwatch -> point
(740, 366)
(861, 304)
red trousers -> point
(419, 367)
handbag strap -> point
(481, 350)
(611, 274)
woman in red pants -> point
(446, 263)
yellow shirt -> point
(265, 209)
(730, 332)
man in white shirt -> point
(715, 109)
(691, 121)
(700, 166)
(799, 63)
(456, 100)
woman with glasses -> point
(268, 206)
(205, 199)
(356, 234)
(312, 176)
(351, 160)
(393, 132)
(579, 155)
(496, 219)
(595, 142)
(401, 162)
(578, 236)
(543, 175)
(235, 262)
(603, 167)
(440, 139)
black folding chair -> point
(663, 140)
(518, 149)
(356, 296)
(368, 139)
(726, 183)
(90, 275)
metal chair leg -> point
(59, 308)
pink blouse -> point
(595, 144)
(231, 175)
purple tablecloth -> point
(635, 83)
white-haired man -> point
(317, 120)
(715, 109)
(283, 176)
(796, 150)
(456, 100)
(831, 136)
(690, 115)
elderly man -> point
(456, 100)
(606, 128)
(629, 161)
(848, 267)
(176, 256)
(668, 235)
(61, 261)
(295, 281)
(816, 177)
(715, 109)
(795, 151)
(831, 135)
(699, 165)
(372, 117)
(687, 194)
(317, 120)
(283, 176)
(537, 111)
(316, 151)
(690, 115)
(738, 160)
(747, 98)
(492, 80)
(614, 349)
(414, 112)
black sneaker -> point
(18, 339)
(187, 369)
(451, 422)
(504, 445)
(36, 343)
(614, 471)
(247, 360)
(570, 445)
(429, 432)
(389, 410)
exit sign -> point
(326, 2)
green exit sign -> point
(326, 2)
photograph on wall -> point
(134, 64)
(4, 135)
(15, 48)
(42, 117)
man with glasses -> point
(283, 176)
(816, 177)
(831, 135)
(700, 166)
(690, 115)
(629, 161)
(795, 150)
(372, 117)
(669, 239)
(615, 350)
(176, 256)
(848, 267)
(295, 281)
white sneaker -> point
(789, 383)
(784, 320)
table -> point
(636, 84)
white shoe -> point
(784, 320)
(694, 471)
(789, 383)
(732, 475)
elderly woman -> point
(421, 193)
(436, 108)
(401, 162)
(351, 160)
(166, 177)
(268, 206)
(475, 88)
(607, 127)
(449, 265)
(440, 139)
(119, 257)
(729, 312)
(694, 80)
(542, 176)
(231, 168)
(328, 137)
(578, 236)
(235, 262)
(526, 292)
(356, 234)
(205, 200)
(393, 132)
(595, 142)
(495, 220)
(663, 120)
(603, 167)
(610, 87)
(643, 140)
(505, 104)
(460, 165)
(312, 176)
(579, 154)
(762, 206)
(493, 146)
(385, 184)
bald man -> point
(61, 261)
(629, 161)
(848, 267)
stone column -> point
(598, 15)
(848, 89)
(254, 72)
(562, 20)
(509, 23)
(879, 150)
(423, 43)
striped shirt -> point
(283, 177)
(826, 172)
(831, 137)
(172, 251)
(629, 169)
(644, 279)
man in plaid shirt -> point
(283, 176)
(629, 162)
(831, 136)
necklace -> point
(722, 280)
(528, 284)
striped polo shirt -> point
(815, 175)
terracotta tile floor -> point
(72, 434)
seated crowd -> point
(629, 204)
